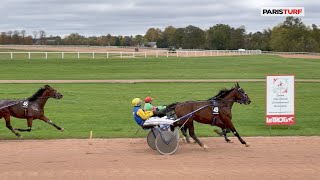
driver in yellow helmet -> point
(143, 117)
(138, 113)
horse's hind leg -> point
(8, 125)
(184, 133)
(47, 120)
(223, 133)
(29, 122)
(193, 135)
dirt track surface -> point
(286, 158)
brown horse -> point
(30, 108)
(216, 111)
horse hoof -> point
(229, 141)
(183, 140)
(62, 129)
(247, 145)
(205, 147)
(18, 136)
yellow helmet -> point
(136, 102)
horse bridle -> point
(244, 96)
(54, 96)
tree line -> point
(290, 35)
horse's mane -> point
(222, 93)
(36, 95)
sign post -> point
(280, 100)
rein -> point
(44, 97)
(189, 115)
(200, 101)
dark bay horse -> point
(30, 108)
(215, 111)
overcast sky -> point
(132, 17)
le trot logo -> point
(282, 11)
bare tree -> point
(9, 37)
(42, 37)
(35, 34)
(23, 35)
(42, 34)
(16, 37)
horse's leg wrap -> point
(225, 131)
(51, 123)
(21, 130)
(29, 123)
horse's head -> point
(241, 95)
(51, 92)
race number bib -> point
(215, 110)
(25, 104)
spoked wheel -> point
(151, 138)
(167, 142)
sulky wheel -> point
(151, 138)
(176, 132)
(167, 142)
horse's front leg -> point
(234, 131)
(193, 135)
(47, 120)
(29, 123)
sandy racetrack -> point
(267, 158)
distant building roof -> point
(151, 43)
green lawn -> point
(105, 109)
(242, 67)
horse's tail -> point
(172, 106)
(170, 110)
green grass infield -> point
(106, 109)
(227, 67)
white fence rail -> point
(145, 54)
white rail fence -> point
(103, 55)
